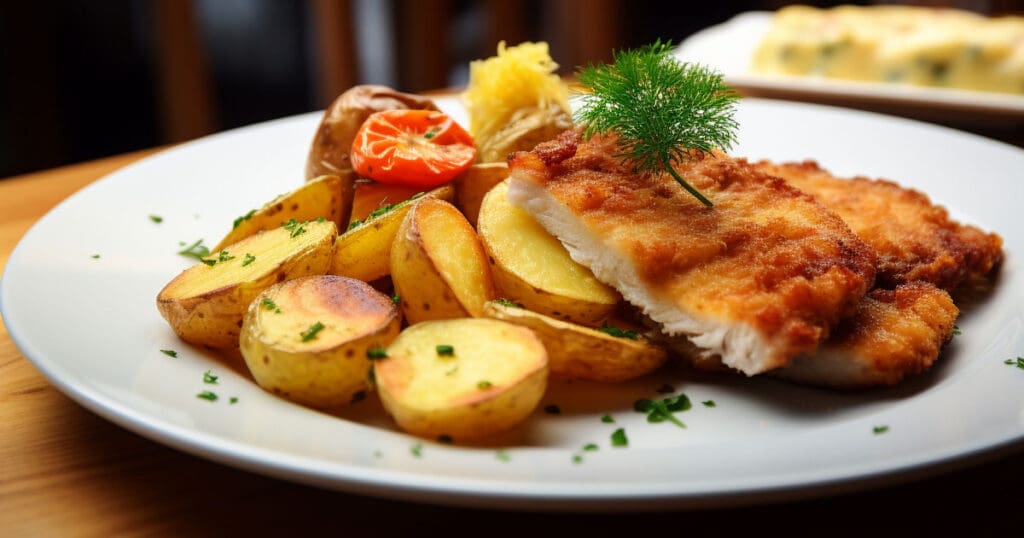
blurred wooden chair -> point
(580, 31)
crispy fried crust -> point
(894, 333)
(914, 239)
(767, 261)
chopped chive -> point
(156, 218)
(233, 400)
(619, 438)
(376, 353)
(224, 256)
(607, 419)
(503, 455)
(249, 258)
(207, 395)
(169, 352)
(417, 450)
(396, 299)
(196, 250)
(209, 378)
(708, 403)
(354, 224)
(429, 134)
(590, 447)
(880, 429)
(508, 302)
(445, 350)
(310, 333)
(483, 385)
(577, 459)
(956, 330)
(619, 333)
(95, 256)
(269, 304)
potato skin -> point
(472, 185)
(438, 267)
(328, 196)
(212, 315)
(364, 252)
(493, 381)
(332, 368)
(577, 352)
(332, 143)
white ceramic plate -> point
(730, 47)
(91, 326)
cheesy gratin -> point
(897, 44)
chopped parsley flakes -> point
(878, 430)
(1019, 362)
(619, 438)
(376, 353)
(619, 333)
(196, 250)
(508, 302)
(483, 385)
(503, 455)
(207, 395)
(243, 218)
(607, 419)
(169, 352)
(417, 450)
(590, 447)
(269, 304)
(661, 410)
(209, 378)
(708, 403)
(311, 332)
(249, 258)
(156, 218)
(445, 350)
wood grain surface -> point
(67, 472)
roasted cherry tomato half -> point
(418, 148)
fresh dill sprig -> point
(663, 111)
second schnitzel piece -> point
(759, 278)
(913, 238)
(894, 333)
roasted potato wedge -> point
(532, 268)
(364, 251)
(438, 266)
(525, 128)
(205, 304)
(491, 376)
(474, 183)
(332, 143)
(372, 195)
(326, 196)
(307, 339)
(577, 352)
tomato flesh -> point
(420, 148)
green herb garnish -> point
(310, 333)
(294, 227)
(195, 250)
(417, 450)
(224, 256)
(576, 458)
(156, 218)
(169, 352)
(249, 258)
(590, 447)
(1019, 362)
(619, 333)
(619, 438)
(354, 224)
(503, 455)
(396, 299)
(269, 304)
(956, 330)
(207, 395)
(233, 400)
(445, 350)
(877, 430)
(508, 302)
(95, 256)
(607, 419)
(209, 378)
(376, 353)
(708, 403)
(661, 410)
(664, 112)
(484, 384)
(244, 217)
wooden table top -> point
(67, 472)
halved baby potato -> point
(326, 196)
(472, 185)
(364, 251)
(438, 267)
(371, 196)
(532, 268)
(205, 303)
(463, 378)
(577, 352)
(308, 339)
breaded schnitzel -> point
(914, 239)
(759, 278)
(894, 333)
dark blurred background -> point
(82, 79)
